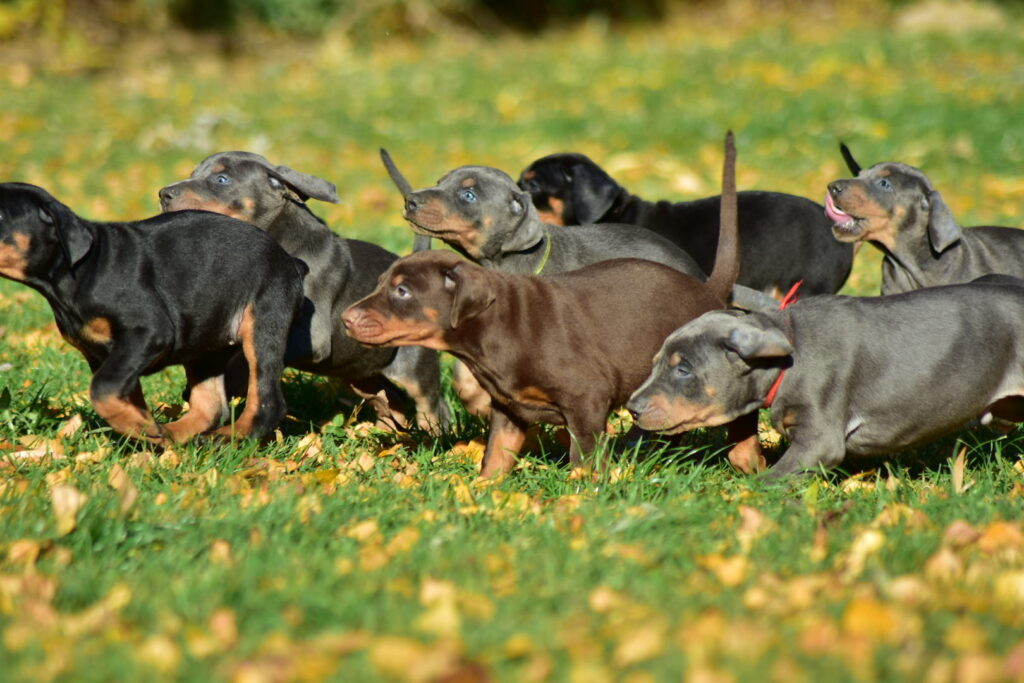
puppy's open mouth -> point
(843, 222)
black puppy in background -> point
(783, 238)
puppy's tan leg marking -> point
(206, 400)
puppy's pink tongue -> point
(833, 212)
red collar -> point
(790, 298)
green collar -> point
(547, 253)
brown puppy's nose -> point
(350, 317)
(836, 187)
(410, 204)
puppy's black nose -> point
(636, 409)
(835, 188)
(410, 204)
(167, 194)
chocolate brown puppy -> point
(563, 349)
(895, 207)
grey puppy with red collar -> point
(859, 376)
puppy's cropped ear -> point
(943, 230)
(593, 192)
(751, 342)
(528, 230)
(306, 186)
(471, 293)
(75, 235)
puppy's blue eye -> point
(467, 195)
(683, 370)
(884, 184)
(222, 179)
(402, 292)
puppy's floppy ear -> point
(75, 235)
(943, 230)
(750, 342)
(305, 185)
(593, 192)
(528, 230)
(471, 293)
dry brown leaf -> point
(70, 427)
(604, 599)
(960, 534)
(66, 501)
(944, 566)
(1009, 589)
(867, 544)
(119, 480)
(220, 552)
(160, 652)
(999, 536)
(959, 472)
(753, 525)
(169, 459)
(24, 552)
(730, 571)
(309, 446)
(409, 660)
(640, 644)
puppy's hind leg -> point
(263, 332)
(809, 450)
(207, 399)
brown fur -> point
(98, 331)
(563, 349)
(14, 257)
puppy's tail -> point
(727, 255)
(420, 242)
(851, 163)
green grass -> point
(358, 565)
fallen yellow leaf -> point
(67, 501)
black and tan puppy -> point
(783, 238)
(247, 186)
(189, 288)
(563, 349)
(894, 207)
(847, 376)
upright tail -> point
(851, 163)
(420, 242)
(727, 255)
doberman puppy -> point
(783, 238)
(562, 349)
(247, 186)
(894, 207)
(484, 215)
(188, 288)
(847, 376)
